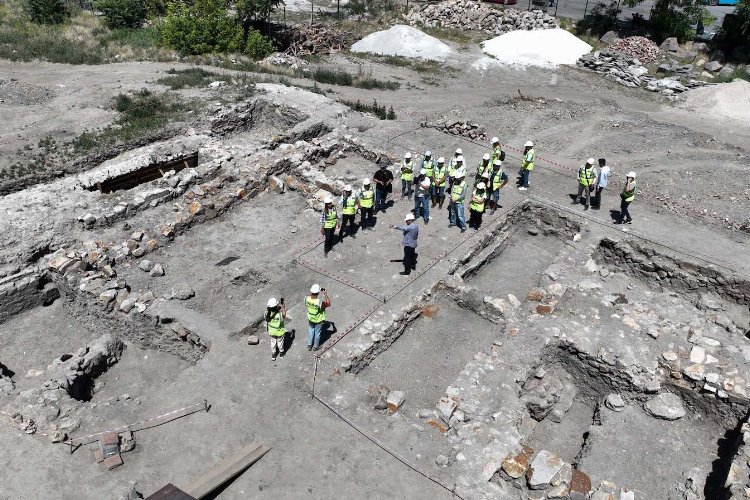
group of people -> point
(429, 181)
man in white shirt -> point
(602, 181)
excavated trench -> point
(145, 174)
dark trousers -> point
(596, 202)
(624, 213)
(410, 260)
(366, 219)
(329, 233)
(381, 194)
(475, 218)
(346, 219)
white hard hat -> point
(480, 185)
(441, 160)
(590, 161)
(327, 200)
(528, 144)
(348, 187)
(366, 182)
(497, 161)
(486, 156)
(459, 151)
(428, 153)
(409, 216)
(460, 158)
(422, 171)
(315, 288)
(631, 174)
(426, 183)
(272, 302)
(495, 139)
(407, 155)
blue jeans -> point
(406, 188)
(380, 196)
(456, 215)
(313, 333)
(525, 176)
(437, 190)
(424, 203)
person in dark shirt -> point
(383, 180)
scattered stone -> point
(669, 356)
(548, 308)
(697, 354)
(182, 292)
(580, 485)
(394, 400)
(253, 340)
(614, 402)
(694, 372)
(442, 461)
(157, 270)
(713, 66)
(544, 467)
(517, 466)
(666, 406)
(127, 304)
(536, 295)
(146, 265)
(446, 406)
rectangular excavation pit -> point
(145, 174)
(621, 441)
(430, 352)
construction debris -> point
(475, 16)
(318, 38)
(639, 48)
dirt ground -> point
(693, 201)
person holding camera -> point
(316, 315)
(275, 316)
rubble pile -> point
(463, 128)
(286, 60)
(638, 47)
(629, 71)
(318, 38)
(475, 16)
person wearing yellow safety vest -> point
(476, 207)
(456, 214)
(527, 165)
(498, 179)
(627, 196)
(329, 223)
(316, 315)
(407, 175)
(586, 181)
(483, 167)
(453, 164)
(366, 204)
(348, 204)
(428, 164)
(439, 176)
(497, 151)
(275, 316)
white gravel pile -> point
(540, 48)
(405, 41)
(726, 101)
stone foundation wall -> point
(671, 272)
(22, 291)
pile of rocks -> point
(318, 38)
(286, 60)
(475, 16)
(629, 71)
(463, 128)
(638, 47)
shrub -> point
(191, 77)
(47, 11)
(122, 13)
(257, 46)
(333, 77)
(201, 27)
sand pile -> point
(541, 48)
(405, 41)
(726, 101)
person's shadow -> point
(328, 331)
(289, 339)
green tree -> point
(673, 17)
(47, 11)
(201, 27)
(122, 13)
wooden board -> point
(225, 471)
(170, 492)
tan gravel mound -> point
(728, 101)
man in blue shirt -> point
(411, 233)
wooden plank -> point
(227, 470)
(170, 492)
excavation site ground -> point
(550, 354)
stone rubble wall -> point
(22, 291)
(680, 275)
